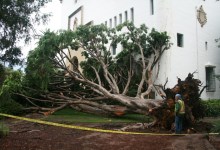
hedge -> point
(212, 107)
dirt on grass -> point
(32, 136)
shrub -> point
(4, 130)
(11, 84)
(212, 108)
(216, 127)
(10, 107)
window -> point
(152, 7)
(120, 18)
(75, 64)
(206, 45)
(115, 20)
(110, 23)
(74, 19)
(179, 40)
(210, 79)
(126, 16)
(114, 50)
(132, 14)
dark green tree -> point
(107, 84)
(17, 20)
(8, 100)
(125, 80)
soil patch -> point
(32, 136)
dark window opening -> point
(110, 23)
(210, 79)
(115, 20)
(151, 7)
(132, 14)
(126, 16)
(120, 18)
(206, 45)
(75, 63)
(114, 50)
(179, 40)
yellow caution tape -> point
(87, 128)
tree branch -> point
(128, 83)
(97, 76)
(144, 70)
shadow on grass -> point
(71, 116)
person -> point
(179, 113)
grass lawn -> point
(216, 126)
(215, 121)
(71, 116)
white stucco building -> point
(193, 26)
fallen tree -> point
(107, 85)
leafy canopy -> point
(48, 58)
(17, 19)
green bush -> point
(10, 107)
(216, 127)
(11, 84)
(212, 108)
(4, 130)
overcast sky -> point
(54, 24)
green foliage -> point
(4, 129)
(212, 108)
(127, 59)
(134, 39)
(87, 69)
(39, 66)
(48, 58)
(17, 20)
(10, 107)
(216, 127)
(11, 84)
(94, 40)
(2, 74)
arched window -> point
(75, 63)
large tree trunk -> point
(162, 111)
(189, 89)
(105, 82)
